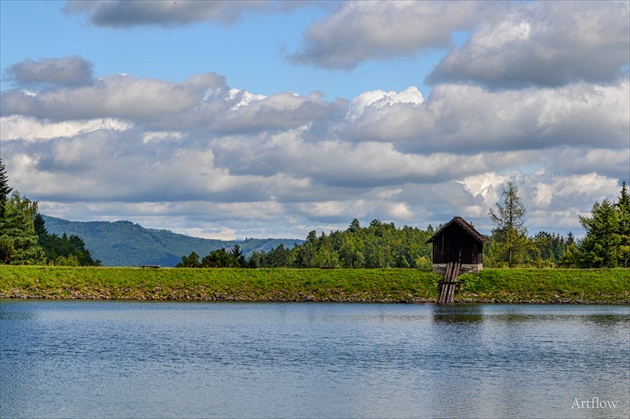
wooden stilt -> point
(448, 285)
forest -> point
(24, 240)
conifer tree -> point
(623, 206)
(5, 190)
(607, 240)
(601, 245)
(18, 240)
(509, 237)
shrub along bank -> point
(334, 285)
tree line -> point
(381, 245)
(24, 239)
(606, 243)
(378, 245)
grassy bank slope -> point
(395, 285)
(364, 285)
(547, 286)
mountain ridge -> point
(124, 243)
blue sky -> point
(251, 52)
(270, 119)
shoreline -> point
(465, 301)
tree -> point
(548, 249)
(18, 240)
(354, 226)
(5, 189)
(601, 245)
(62, 250)
(190, 261)
(278, 258)
(623, 206)
(509, 237)
(220, 259)
(237, 254)
(306, 254)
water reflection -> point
(469, 313)
(81, 359)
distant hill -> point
(123, 243)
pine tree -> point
(601, 245)
(5, 190)
(18, 240)
(623, 207)
(509, 237)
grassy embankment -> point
(353, 285)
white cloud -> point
(378, 99)
(151, 136)
(16, 127)
(203, 157)
(120, 96)
(400, 211)
(364, 30)
(543, 43)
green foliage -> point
(600, 247)
(18, 240)
(623, 206)
(5, 189)
(219, 258)
(548, 250)
(571, 258)
(190, 261)
(378, 246)
(64, 250)
(607, 241)
(509, 243)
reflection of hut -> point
(458, 242)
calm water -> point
(132, 359)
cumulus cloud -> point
(68, 72)
(26, 128)
(205, 155)
(465, 118)
(119, 96)
(129, 13)
(543, 43)
(366, 30)
(511, 44)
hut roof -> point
(467, 227)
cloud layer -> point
(69, 72)
(128, 13)
(538, 93)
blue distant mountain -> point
(123, 243)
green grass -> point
(351, 285)
(395, 285)
(548, 285)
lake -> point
(165, 359)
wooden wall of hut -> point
(455, 244)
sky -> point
(260, 119)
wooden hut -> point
(458, 242)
